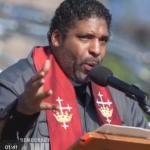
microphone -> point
(103, 76)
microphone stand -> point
(141, 98)
(145, 105)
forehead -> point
(90, 25)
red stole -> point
(64, 125)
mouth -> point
(89, 65)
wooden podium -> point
(103, 141)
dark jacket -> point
(18, 126)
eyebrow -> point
(105, 38)
(102, 38)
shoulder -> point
(129, 110)
(15, 76)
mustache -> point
(91, 61)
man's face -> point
(83, 47)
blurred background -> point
(24, 24)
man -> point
(49, 95)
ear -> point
(56, 38)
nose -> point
(95, 48)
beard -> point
(82, 68)
(76, 69)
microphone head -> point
(100, 74)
